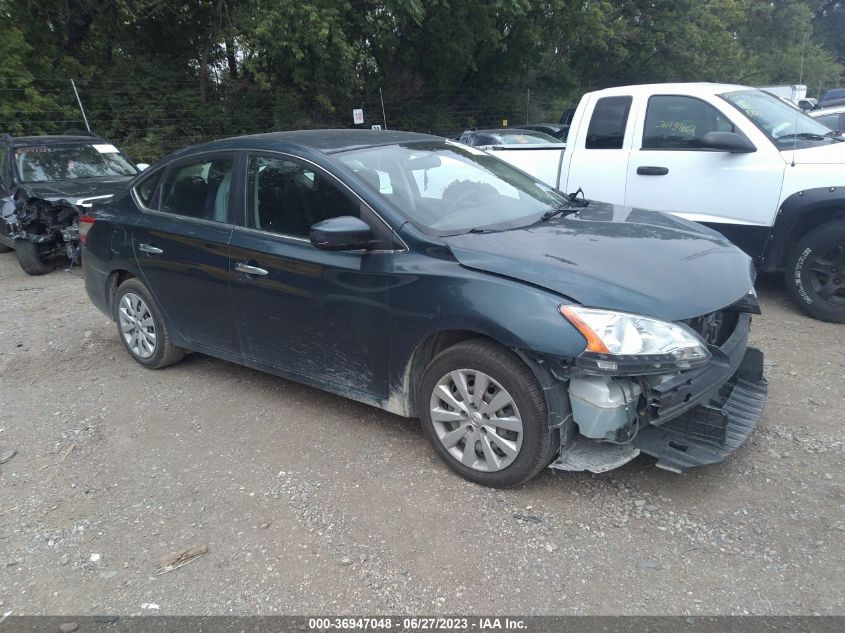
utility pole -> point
(383, 115)
(527, 105)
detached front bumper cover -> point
(703, 416)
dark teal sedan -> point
(526, 328)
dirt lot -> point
(309, 503)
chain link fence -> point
(149, 119)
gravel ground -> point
(309, 503)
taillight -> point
(85, 224)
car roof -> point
(55, 139)
(324, 141)
(834, 93)
(699, 89)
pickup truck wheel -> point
(485, 414)
(31, 259)
(142, 329)
(815, 272)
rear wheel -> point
(31, 258)
(485, 414)
(815, 272)
(142, 330)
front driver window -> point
(199, 189)
(288, 198)
(681, 122)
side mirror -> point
(142, 166)
(344, 233)
(728, 142)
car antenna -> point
(81, 109)
(800, 81)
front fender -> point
(799, 213)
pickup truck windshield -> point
(446, 188)
(70, 162)
(786, 127)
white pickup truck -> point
(734, 158)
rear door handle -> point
(149, 248)
(249, 270)
(652, 171)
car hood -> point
(614, 257)
(75, 190)
(832, 154)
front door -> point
(181, 245)
(311, 312)
(670, 169)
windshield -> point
(70, 162)
(446, 188)
(786, 127)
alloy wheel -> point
(827, 275)
(137, 325)
(476, 420)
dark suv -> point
(45, 184)
(525, 328)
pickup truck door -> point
(596, 160)
(670, 169)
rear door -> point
(319, 314)
(598, 158)
(671, 170)
(181, 242)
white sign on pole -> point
(375, 127)
(358, 116)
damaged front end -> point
(689, 407)
(52, 224)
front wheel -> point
(141, 327)
(815, 272)
(31, 258)
(485, 414)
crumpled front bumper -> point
(701, 416)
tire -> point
(5, 249)
(150, 345)
(506, 378)
(30, 259)
(815, 272)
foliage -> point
(159, 74)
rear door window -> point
(607, 126)
(199, 188)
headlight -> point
(622, 343)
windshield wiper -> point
(804, 136)
(573, 204)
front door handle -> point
(652, 171)
(149, 248)
(241, 267)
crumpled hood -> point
(73, 190)
(619, 258)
